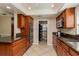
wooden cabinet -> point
(24, 25)
(16, 48)
(73, 52)
(54, 42)
(26, 30)
(68, 17)
(62, 48)
(20, 47)
(21, 21)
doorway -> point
(43, 32)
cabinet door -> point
(20, 47)
(60, 49)
(3, 50)
(54, 40)
(70, 18)
(21, 21)
(28, 20)
(73, 53)
(25, 30)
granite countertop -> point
(5, 39)
(8, 40)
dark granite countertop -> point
(8, 40)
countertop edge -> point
(11, 42)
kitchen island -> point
(14, 48)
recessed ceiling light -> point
(29, 8)
(52, 5)
(8, 7)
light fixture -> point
(8, 7)
(29, 8)
(52, 5)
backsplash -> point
(69, 31)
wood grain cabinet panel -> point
(21, 47)
(21, 21)
(73, 53)
(25, 32)
(70, 18)
(2, 50)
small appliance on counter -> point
(59, 34)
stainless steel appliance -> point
(60, 23)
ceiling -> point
(40, 6)
(38, 10)
(4, 10)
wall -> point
(51, 28)
(77, 20)
(16, 29)
(5, 25)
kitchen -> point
(62, 28)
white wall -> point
(77, 19)
(51, 28)
(16, 29)
(5, 25)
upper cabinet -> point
(21, 21)
(66, 19)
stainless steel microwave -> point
(60, 23)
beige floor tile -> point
(40, 50)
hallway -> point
(40, 50)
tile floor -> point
(40, 50)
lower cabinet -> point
(16, 48)
(62, 48)
(73, 53)
(20, 48)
